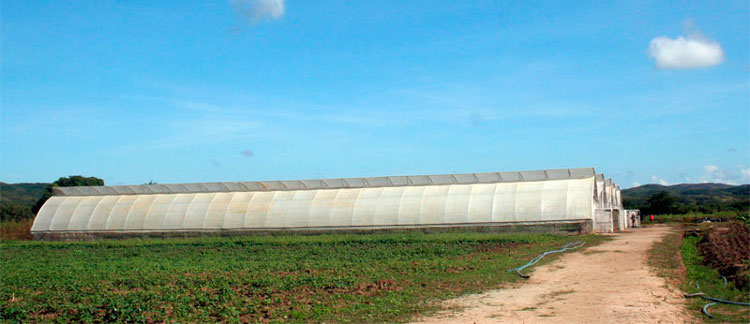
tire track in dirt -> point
(607, 283)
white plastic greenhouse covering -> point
(600, 196)
(610, 215)
(476, 199)
(603, 215)
(623, 215)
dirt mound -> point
(727, 248)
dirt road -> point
(607, 283)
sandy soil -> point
(607, 283)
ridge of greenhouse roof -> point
(335, 183)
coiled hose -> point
(566, 247)
(713, 300)
(705, 309)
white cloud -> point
(255, 11)
(715, 174)
(658, 180)
(685, 52)
(636, 184)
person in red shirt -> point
(651, 218)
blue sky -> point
(240, 90)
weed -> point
(16, 230)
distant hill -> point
(17, 199)
(692, 197)
(21, 193)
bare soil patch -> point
(727, 248)
(610, 284)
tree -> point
(72, 181)
(78, 181)
(661, 203)
(14, 212)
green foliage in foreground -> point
(290, 278)
(710, 283)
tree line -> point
(10, 211)
(664, 202)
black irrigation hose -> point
(705, 309)
(567, 246)
(713, 300)
(702, 295)
(725, 301)
(522, 275)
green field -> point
(289, 278)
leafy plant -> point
(284, 278)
